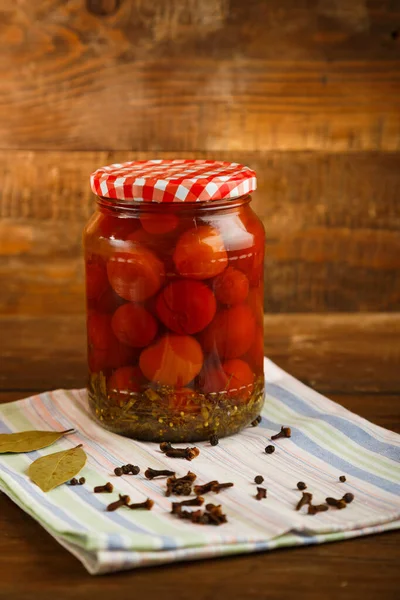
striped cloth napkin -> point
(327, 441)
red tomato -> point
(255, 354)
(134, 325)
(231, 333)
(172, 360)
(231, 287)
(104, 350)
(255, 302)
(96, 277)
(186, 306)
(230, 377)
(159, 224)
(125, 381)
(200, 253)
(136, 274)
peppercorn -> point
(342, 478)
(214, 440)
(82, 480)
(301, 485)
(73, 481)
(348, 497)
(258, 479)
(125, 469)
(270, 449)
(118, 471)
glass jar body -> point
(175, 318)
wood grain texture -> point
(332, 353)
(332, 223)
(229, 75)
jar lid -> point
(173, 181)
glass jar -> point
(174, 313)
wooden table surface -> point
(352, 358)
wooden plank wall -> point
(305, 91)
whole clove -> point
(107, 487)
(221, 486)
(261, 493)
(147, 504)
(211, 486)
(342, 478)
(301, 485)
(258, 479)
(187, 453)
(177, 506)
(270, 449)
(256, 421)
(164, 446)
(214, 440)
(181, 486)
(337, 503)
(123, 501)
(349, 497)
(285, 432)
(152, 473)
(313, 509)
(213, 515)
(305, 499)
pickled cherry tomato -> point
(231, 287)
(200, 253)
(230, 377)
(255, 354)
(136, 274)
(104, 349)
(159, 224)
(255, 302)
(239, 376)
(134, 325)
(186, 306)
(172, 360)
(96, 278)
(124, 381)
(231, 333)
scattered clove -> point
(221, 486)
(214, 440)
(258, 479)
(213, 515)
(164, 446)
(348, 497)
(337, 503)
(313, 509)
(301, 486)
(285, 432)
(270, 449)
(176, 506)
(256, 421)
(305, 499)
(342, 478)
(147, 504)
(181, 486)
(108, 487)
(152, 473)
(187, 453)
(211, 486)
(261, 493)
(123, 501)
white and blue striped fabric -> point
(327, 441)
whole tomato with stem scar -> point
(231, 286)
(231, 333)
(133, 325)
(186, 306)
(172, 360)
(200, 253)
(135, 274)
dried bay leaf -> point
(27, 441)
(54, 469)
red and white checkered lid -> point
(173, 181)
